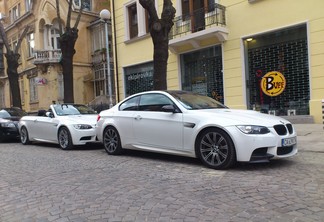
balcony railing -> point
(200, 19)
(47, 56)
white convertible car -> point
(188, 124)
(63, 124)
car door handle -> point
(138, 117)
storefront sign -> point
(273, 83)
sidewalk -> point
(310, 137)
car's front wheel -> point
(111, 141)
(24, 138)
(215, 149)
(64, 138)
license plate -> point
(289, 141)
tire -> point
(111, 141)
(24, 138)
(215, 149)
(64, 138)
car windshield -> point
(194, 101)
(69, 109)
(9, 112)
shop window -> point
(277, 75)
(138, 78)
(201, 72)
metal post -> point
(108, 65)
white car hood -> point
(237, 117)
(80, 119)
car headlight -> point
(82, 126)
(250, 129)
(8, 125)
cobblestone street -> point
(43, 183)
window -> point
(194, 11)
(1, 60)
(28, 5)
(86, 4)
(60, 87)
(2, 95)
(98, 37)
(129, 105)
(33, 90)
(138, 78)
(99, 80)
(286, 52)
(22, 89)
(15, 13)
(31, 44)
(55, 36)
(201, 72)
(132, 21)
(153, 102)
(136, 19)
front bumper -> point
(263, 147)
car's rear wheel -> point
(215, 149)
(24, 138)
(111, 141)
(64, 138)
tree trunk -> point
(12, 62)
(67, 41)
(159, 30)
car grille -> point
(284, 150)
(283, 129)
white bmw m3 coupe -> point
(189, 124)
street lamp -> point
(105, 16)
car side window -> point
(153, 102)
(130, 105)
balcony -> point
(195, 30)
(47, 56)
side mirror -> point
(169, 109)
(49, 114)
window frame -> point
(33, 90)
(30, 44)
(142, 19)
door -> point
(155, 128)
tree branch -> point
(68, 19)
(59, 16)
(79, 15)
(21, 37)
(4, 37)
(149, 5)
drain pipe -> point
(115, 52)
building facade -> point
(265, 55)
(40, 72)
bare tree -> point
(12, 57)
(67, 43)
(159, 30)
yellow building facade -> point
(40, 72)
(265, 55)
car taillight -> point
(98, 118)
